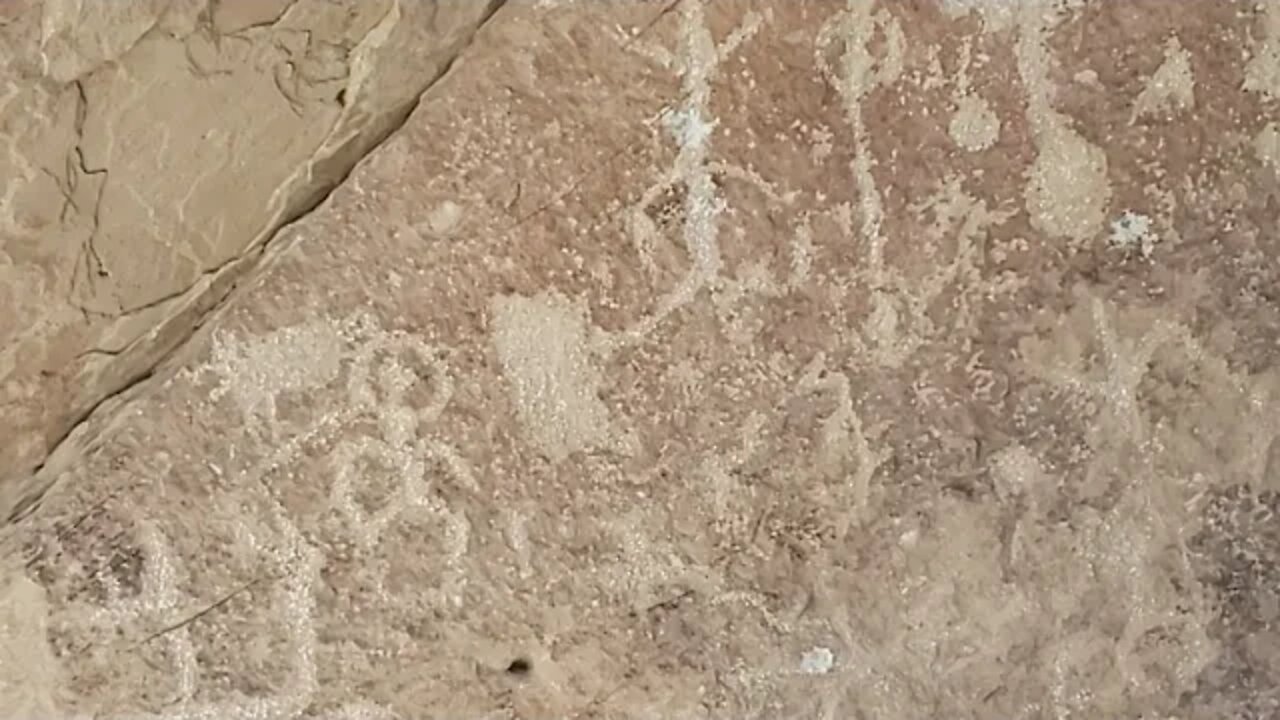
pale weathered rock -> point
(152, 147)
(694, 361)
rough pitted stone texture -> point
(722, 360)
(152, 147)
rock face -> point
(152, 148)
(710, 359)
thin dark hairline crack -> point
(196, 616)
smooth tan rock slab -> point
(718, 360)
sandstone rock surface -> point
(151, 149)
(713, 359)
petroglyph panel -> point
(717, 359)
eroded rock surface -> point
(151, 149)
(722, 360)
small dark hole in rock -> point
(519, 666)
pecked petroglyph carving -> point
(378, 383)
(897, 323)
(1067, 190)
(292, 359)
(1171, 87)
(545, 350)
(396, 389)
(974, 125)
(702, 360)
(697, 61)
(1114, 381)
(844, 439)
